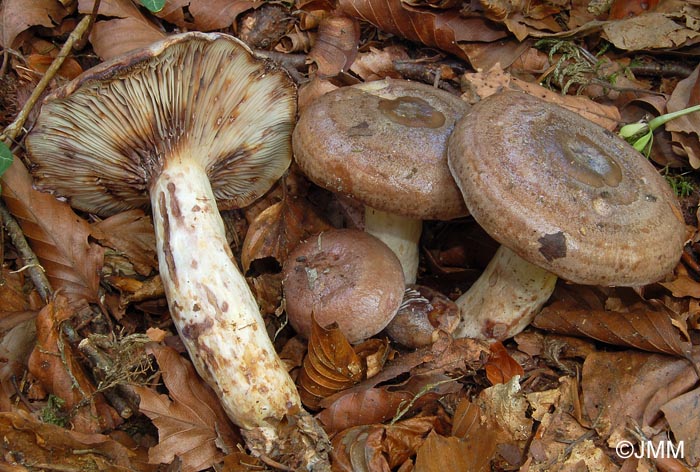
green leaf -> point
(5, 159)
(153, 5)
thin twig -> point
(36, 272)
(13, 129)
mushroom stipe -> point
(190, 121)
(564, 197)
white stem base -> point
(505, 298)
(401, 234)
(212, 307)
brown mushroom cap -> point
(344, 276)
(564, 193)
(423, 313)
(103, 139)
(384, 144)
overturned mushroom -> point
(384, 144)
(564, 197)
(189, 121)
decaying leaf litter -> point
(92, 362)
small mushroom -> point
(423, 314)
(384, 144)
(565, 198)
(342, 276)
(189, 121)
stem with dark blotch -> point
(212, 307)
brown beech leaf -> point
(43, 443)
(501, 367)
(57, 235)
(331, 365)
(443, 29)
(439, 453)
(377, 405)
(278, 229)
(336, 45)
(128, 29)
(374, 405)
(375, 448)
(56, 367)
(191, 423)
(647, 330)
(651, 31)
(377, 64)
(683, 415)
(12, 294)
(211, 15)
(131, 233)
(18, 15)
(271, 236)
(630, 387)
(685, 129)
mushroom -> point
(189, 121)
(565, 198)
(383, 143)
(424, 313)
(342, 276)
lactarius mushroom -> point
(565, 198)
(343, 276)
(384, 144)
(180, 125)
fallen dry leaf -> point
(54, 364)
(278, 229)
(501, 367)
(683, 415)
(126, 30)
(192, 425)
(442, 29)
(377, 64)
(130, 233)
(364, 404)
(373, 448)
(57, 235)
(18, 15)
(648, 330)
(336, 45)
(331, 365)
(30, 443)
(651, 31)
(439, 453)
(619, 387)
(685, 129)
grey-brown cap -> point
(564, 193)
(384, 144)
(101, 139)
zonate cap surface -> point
(564, 193)
(384, 144)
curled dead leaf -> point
(331, 365)
(336, 45)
